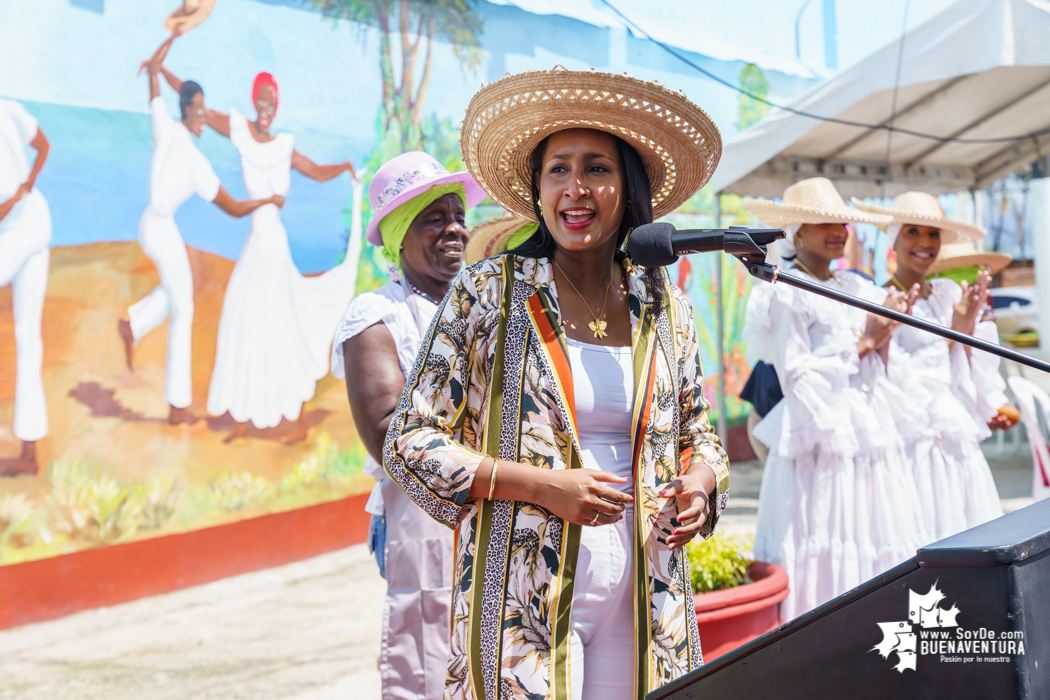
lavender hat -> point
(403, 177)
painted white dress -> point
(836, 504)
(276, 328)
(945, 404)
(413, 659)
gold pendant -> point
(598, 326)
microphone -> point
(659, 244)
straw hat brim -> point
(961, 231)
(678, 142)
(995, 262)
(491, 237)
(475, 195)
(780, 215)
(189, 20)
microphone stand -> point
(753, 256)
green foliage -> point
(719, 562)
(409, 22)
(16, 518)
(88, 505)
(85, 507)
(752, 80)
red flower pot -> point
(733, 617)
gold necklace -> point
(924, 287)
(802, 266)
(597, 325)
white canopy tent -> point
(978, 70)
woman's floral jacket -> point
(493, 378)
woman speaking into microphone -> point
(555, 415)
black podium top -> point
(1012, 538)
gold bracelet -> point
(492, 481)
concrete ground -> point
(305, 631)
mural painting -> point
(180, 233)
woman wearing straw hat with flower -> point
(419, 212)
(555, 414)
(949, 393)
(836, 506)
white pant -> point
(24, 259)
(161, 241)
(601, 650)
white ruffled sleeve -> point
(815, 380)
(976, 380)
(365, 311)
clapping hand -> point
(973, 302)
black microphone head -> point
(650, 245)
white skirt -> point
(955, 486)
(835, 518)
(833, 523)
(276, 328)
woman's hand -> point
(277, 199)
(877, 329)
(973, 302)
(691, 492)
(576, 495)
(1006, 418)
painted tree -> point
(749, 110)
(410, 27)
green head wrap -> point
(394, 226)
(522, 234)
(959, 275)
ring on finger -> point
(594, 520)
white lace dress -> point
(946, 402)
(276, 328)
(836, 504)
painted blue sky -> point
(73, 64)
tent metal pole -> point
(720, 331)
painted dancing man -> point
(25, 232)
(178, 170)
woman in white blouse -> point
(949, 393)
(836, 505)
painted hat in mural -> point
(924, 209)
(965, 254)
(811, 201)
(493, 237)
(403, 177)
(678, 142)
(192, 13)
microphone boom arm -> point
(772, 274)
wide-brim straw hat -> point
(192, 13)
(811, 201)
(953, 255)
(491, 237)
(678, 142)
(924, 209)
(403, 177)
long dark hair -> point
(639, 211)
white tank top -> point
(603, 384)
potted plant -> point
(736, 598)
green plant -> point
(719, 562)
(16, 517)
(159, 500)
(232, 491)
(94, 507)
(328, 464)
(749, 110)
